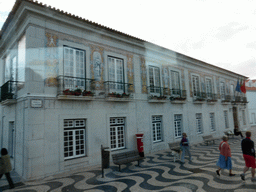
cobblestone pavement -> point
(157, 172)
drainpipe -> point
(2, 135)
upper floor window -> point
(232, 90)
(175, 82)
(222, 90)
(195, 85)
(116, 74)
(154, 79)
(208, 83)
(74, 68)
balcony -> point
(240, 100)
(178, 96)
(226, 99)
(9, 92)
(118, 91)
(199, 97)
(75, 88)
(157, 94)
(211, 98)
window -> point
(195, 85)
(11, 142)
(74, 68)
(74, 138)
(116, 74)
(232, 92)
(154, 79)
(117, 133)
(212, 122)
(253, 120)
(175, 83)
(222, 90)
(21, 59)
(243, 116)
(157, 128)
(178, 125)
(209, 88)
(226, 119)
(199, 124)
(7, 69)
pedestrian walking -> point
(184, 143)
(249, 155)
(6, 167)
(224, 161)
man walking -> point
(249, 155)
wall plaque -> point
(36, 103)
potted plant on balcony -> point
(87, 93)
(67, 92)
(77, 91)
(125, 95)
(177, 98)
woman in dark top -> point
(184, 143)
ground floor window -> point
(157, 128)
(243, 116)
(226, 119)
(199, 123)
(212, 122)
(117, 133)
(178, 125)
(74, 138)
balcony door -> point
(116, 75)
(74, 68)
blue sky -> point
(218, 32)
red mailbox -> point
(140, 144)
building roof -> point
(18, 3)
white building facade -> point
(251, 97)
(69, 86)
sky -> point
(218, 32)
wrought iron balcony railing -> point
(68, 85)
(211, 97)
(177, 94)
(226, 98)
(199, 96)
(9, 90)
(118, 89)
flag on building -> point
(243, 89)
(238, 86)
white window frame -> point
(178, 125)
(208, 87)
(222, 90)
(175, 82)
(226, 119)
(232, 91)
(72, 127)
(199, 123)
(243, 117)
(117, 79)
(253, 120)
(154, 81)
(117, 133)
(195, 81)
(74, 68)
(157, 129)
(212, 122)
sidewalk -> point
(158, 172)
